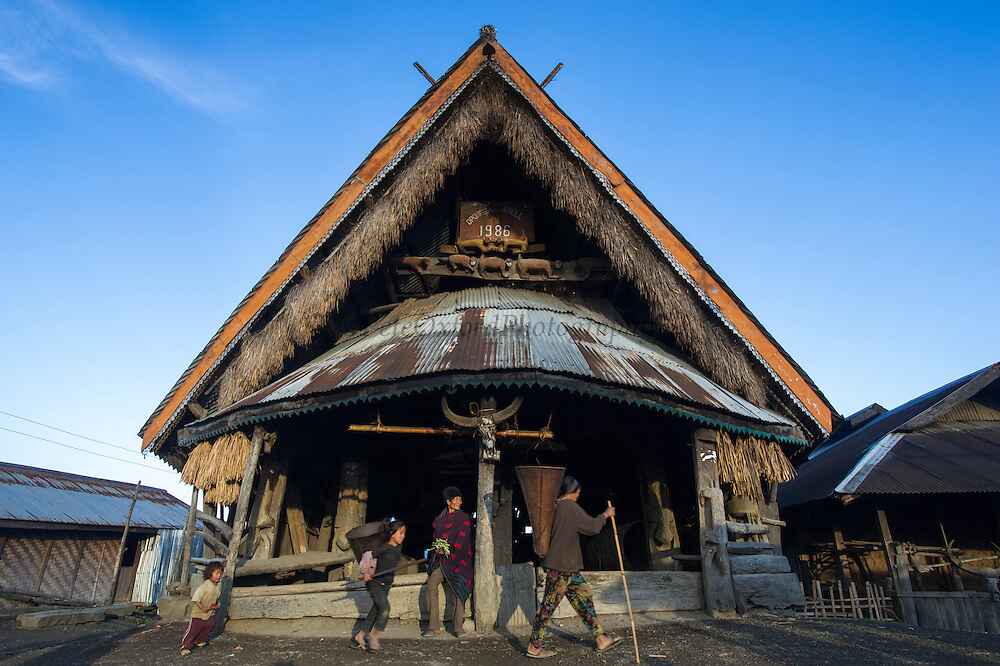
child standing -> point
(378, 586)
(204, 603)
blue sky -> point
(836, 164)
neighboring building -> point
(60, 532)
(930, 467)
(489, 290)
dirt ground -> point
(742, 642)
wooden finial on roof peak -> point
(488, 31)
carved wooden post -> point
(239, 525)
(658, 513)
(720, 598)
(274, 480)
(352, 504)
(486, 604)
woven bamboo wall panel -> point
(19, 567)
(57, 580)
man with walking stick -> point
(562, 565)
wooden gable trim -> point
(733, 312)
(701, 277)
(306, 242)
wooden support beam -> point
(239, 522)
(121, 545)
(219, 526)
(183, 574)
(213, 541)
(720, 597)
(309, 560)
(275, 481)
(899, 568)
(197, 410)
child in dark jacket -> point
(378, 584)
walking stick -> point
(628, 601)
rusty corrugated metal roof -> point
(33, 494)
(495, 329)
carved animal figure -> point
(415, 264)
(462, 262)
(497, 265)
(535, 268)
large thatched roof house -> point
(488, 290)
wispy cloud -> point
(44, 37)
(23, 74)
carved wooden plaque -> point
(495, 226)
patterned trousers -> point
(573, 586)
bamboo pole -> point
(121, 546)
(628, 600)
(447, 432)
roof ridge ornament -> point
(488, 31)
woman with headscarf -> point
(562, 564)
(451, 566)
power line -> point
(68, 432)
(93, 453)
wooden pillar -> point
(296, 520)
(503, 528)
(182, 576)
(239, 525)
(720, 598)
(898, 562)
(770, 510)
(485, 601)
(840, 555)
(352, 503)
(274, 480)
(325, 538)
(657, 513)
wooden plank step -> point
(759, 564)
(748, 547)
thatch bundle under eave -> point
(217, 467)
(745, 461)
(492, 111)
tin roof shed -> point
(53, 498)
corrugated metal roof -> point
(947, 458)
(41, 495)
(898, 452)
(495, 328)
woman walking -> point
(562, 565)
(378, 584)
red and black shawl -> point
(456, 529)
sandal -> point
(615, 640)
(541, 654)
(356, 645)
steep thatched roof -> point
(488, 105)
